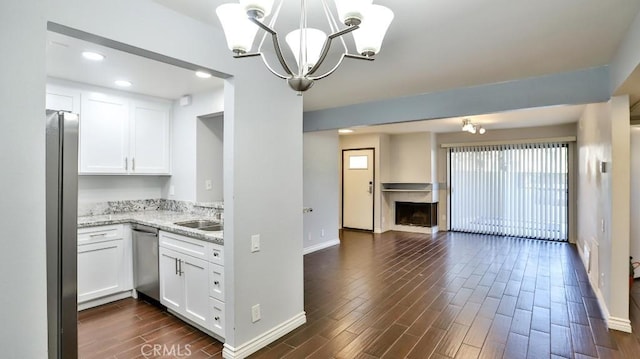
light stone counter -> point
(163, 220)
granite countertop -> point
(163, 220)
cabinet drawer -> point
(216, 254)
(100, 234)
(185, 245)
(217, 316)
(216, 281)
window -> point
(514, 190)
(358, 162)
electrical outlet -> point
(601, 284)
(309, 236)
(322, 233)
(602, 225)
(255, 313)
(208, 185)
(172, 190)
(255, 243)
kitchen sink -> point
(217, 227)
(199, 224)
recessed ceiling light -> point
(93, 56)
(203, 74)
(123, 83)
(345, 130)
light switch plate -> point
(255, 243)
(255, 313)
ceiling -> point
(541, 116)
(148, 77)
(442, 44)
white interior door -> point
(357, 189)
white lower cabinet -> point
(183, 285)
(104, 262)
(190, 284)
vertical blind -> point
(513, 190)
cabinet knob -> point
(216, 254)
(216, 282)
(216, 318)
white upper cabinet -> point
(150, 137)
(120, 133)
(104, 134)
(62, 99)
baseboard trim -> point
(615, 323)
(259, 342)
(623, 325)
(323, 245)
(104, 300)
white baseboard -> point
(264, 339)
(623, 325)
(104, 300)
(319, 246)
(615, 323)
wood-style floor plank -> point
(405, 295)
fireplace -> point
(417, 214)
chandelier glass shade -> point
(309, 46)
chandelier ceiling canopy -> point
(367, 22)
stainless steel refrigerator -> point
(62, 219)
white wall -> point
(23, 333)
(263, 196)
(321, 187)
(634, 236)
(92, 189)
(209, 158)
(410, 158)
(184, 144)
(603, 205)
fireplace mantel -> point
(406, 187)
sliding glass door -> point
(513, 190)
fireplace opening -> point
(417, 214)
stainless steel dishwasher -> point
(145, 261)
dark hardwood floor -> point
(402, 295)
(132, 328)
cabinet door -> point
(196, 289)
(150, 137)
(62, 99)
(104, 129)
(171, 283)
(100, 269)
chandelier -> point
(473, 128)
(310, 47)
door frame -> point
(373, 198)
